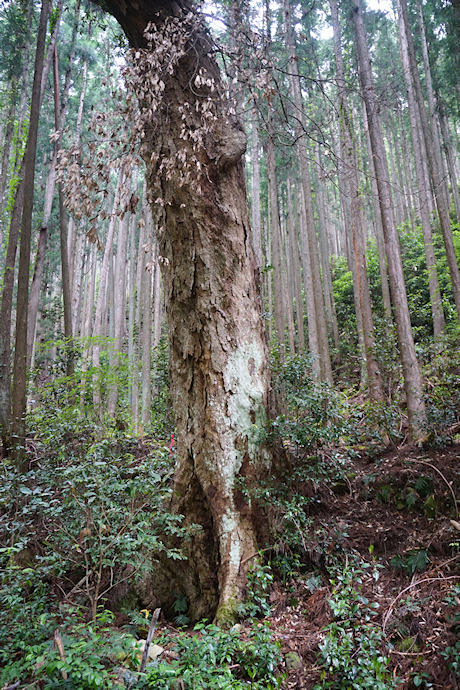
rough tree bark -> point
(218, 352)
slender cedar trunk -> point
(10, 261)
(432, 109)
(21, 111)
(125, 228)
(296, 267)
(412, 378)
(286, 271)
(35, 289)
(404, 164)
(450, 153)
(344, 201)
(393, 137)
(418, 148)
(119, 309)
(40, 261)
(131, 292)
(299, 124)
(76, 278)
(268, 291)
(101, 302)
(379, 234)
(321, 203)
(146, 340)
(218, 352)
(435, 172)
(313, 342)
(140, 273)
(65, 268)
(255, 198)
(78, 268)
(399, 215)
(426, 172)
(361, 283)
(20, 352)
(88, 319)
(5, 314)
(345, 205)
(157, 298)
(279, 307)
(7, 142)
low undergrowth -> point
(357, 587)
(214, 658)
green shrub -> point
(351, 652)
(86, 519)
(260, 582)
(316, 413)
(214, 658)
(452, 653)
(90, 651)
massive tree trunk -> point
(218, 353)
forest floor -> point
(391, 511)
(389, 516)
(360, 588)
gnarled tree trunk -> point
(218, 353)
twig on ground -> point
(60, 646)
(148, 642)
(406, 589)
(429, 464)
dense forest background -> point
(351, 114)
